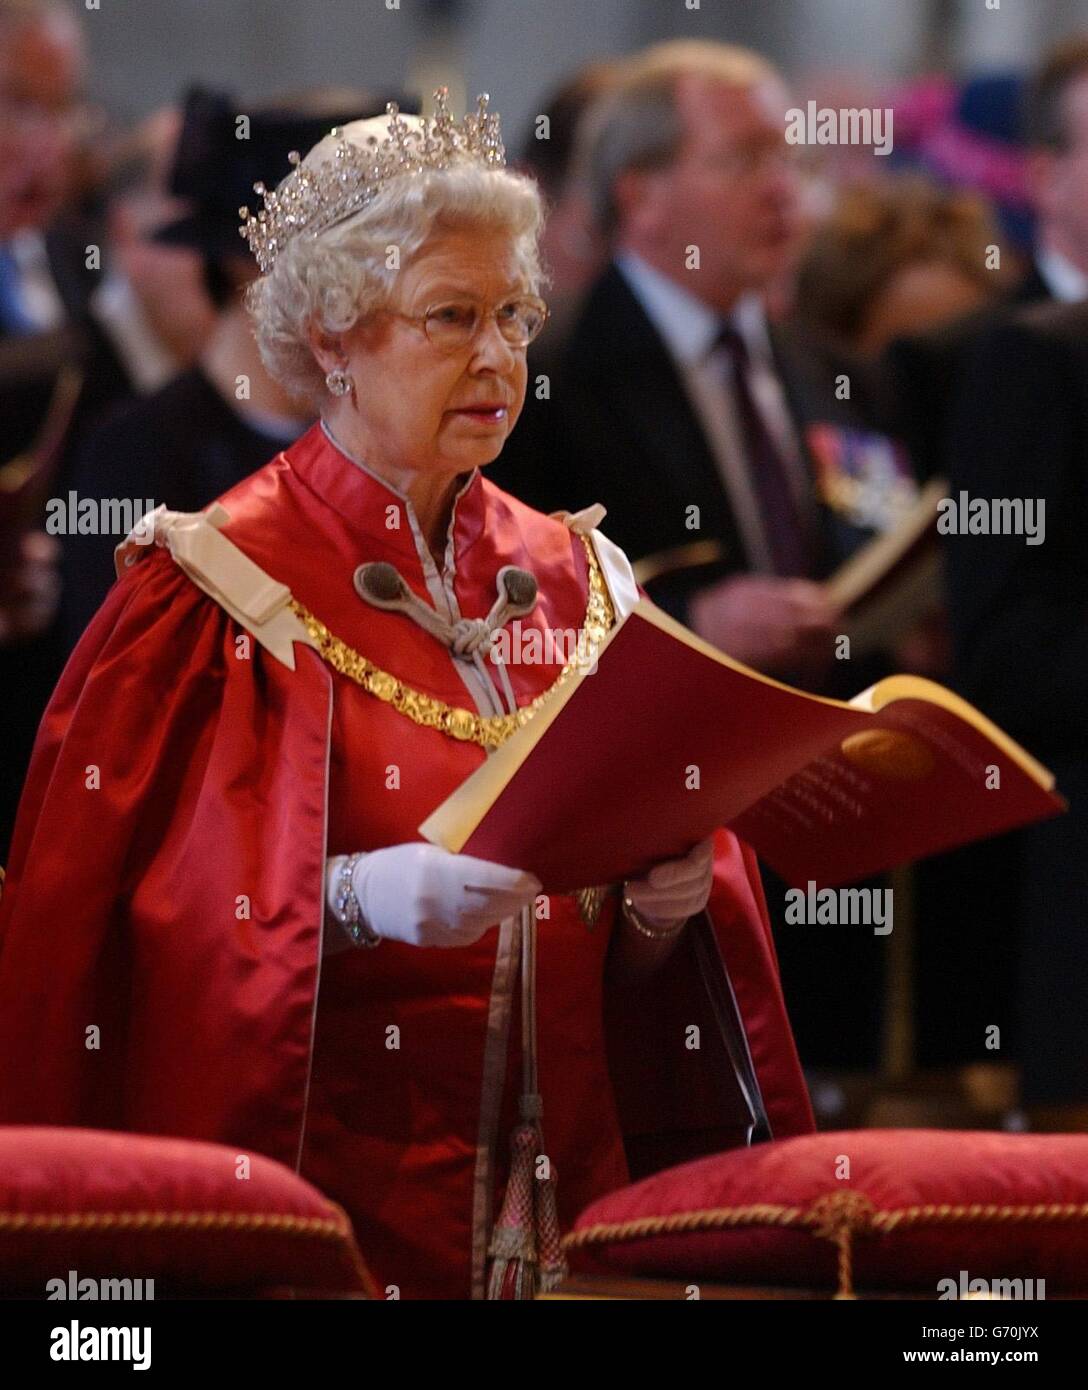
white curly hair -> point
(332, 281)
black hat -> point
(223, 151)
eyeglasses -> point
(454, 324)
(25, 117)
(749, 160)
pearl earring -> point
(338, 382)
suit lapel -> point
(620, 348)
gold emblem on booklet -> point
(889, 753)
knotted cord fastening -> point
(469, 634)
(380, 584)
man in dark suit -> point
(1020, 621)
(674, 402)
(670, 398)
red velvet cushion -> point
(129, 1206)
(918, 1206)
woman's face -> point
(417, 406)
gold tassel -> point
(526, 1251)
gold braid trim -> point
(885, 1221)
(172, 1220)
(711, 1219)
(838, 1216)
(488, 731)
(336, 1227)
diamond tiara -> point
(315, 197)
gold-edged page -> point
(894, 688)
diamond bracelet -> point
(640, 925)
(347, 905)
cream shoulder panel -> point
(259, 603)
(615, 566)
(217, 566)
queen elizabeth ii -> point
(217, 859)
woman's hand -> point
(675, 889)
(426, 896)
(665, 898)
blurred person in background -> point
(676, 401)
(968, 137)
(1056, 131)
(57, 370)
(213, 424)
(571, 247)
(1025, 144)
(894, 257)
(996, 403)
(48, 266)
(42, 70)
(1020, 623)
(674, 398)
(153, 301)
(904, 256)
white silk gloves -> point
(426, 896)
(675, 889)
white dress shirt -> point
(1065, 281)
(39, 298)
(113, 304)
(689, 329)
(117, 308)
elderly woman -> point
(217, 872)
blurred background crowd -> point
(854, 326)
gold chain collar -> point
(488, 731)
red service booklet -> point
(665, 739)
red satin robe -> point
(181, 772)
